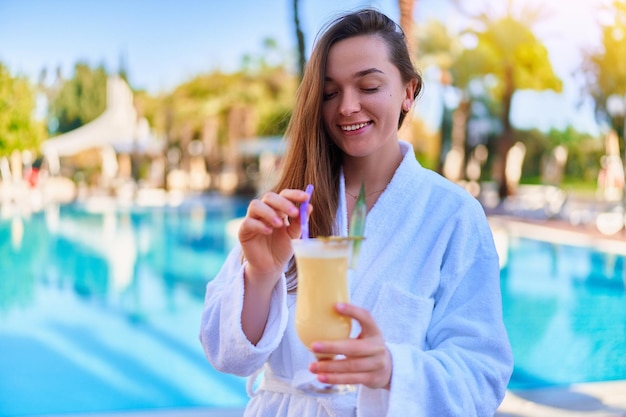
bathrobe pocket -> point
(402, 316)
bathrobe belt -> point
(333, 405)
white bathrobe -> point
(429, 274)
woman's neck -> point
(374, 172)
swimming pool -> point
(100, 310)
(565, 311)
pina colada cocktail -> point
(322, 265)
(322, 282)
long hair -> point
(311, 156)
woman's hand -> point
(367, 360)
(266, 232)
(265, 235)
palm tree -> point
(510, 58)
(440, 49)
(604, 69)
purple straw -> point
(304, 218)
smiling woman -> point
(426, 249)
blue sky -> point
(164, 43)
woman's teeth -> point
(350, 128)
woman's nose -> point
(349, 103)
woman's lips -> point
(353, 127)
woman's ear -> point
(406, 105)
(409, 95)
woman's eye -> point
(370, 89)
(328, 96)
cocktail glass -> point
(322, 265)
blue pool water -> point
(565, 311)
(100, 310)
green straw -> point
(357, 225)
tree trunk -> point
(506, 140)
(186, 136)
(451, 168)
(406, 22)
(300, 39)
(211, 146)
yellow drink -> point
(322, 282)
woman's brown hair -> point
(311, 156)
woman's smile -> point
(354, 127)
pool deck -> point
(598, 399)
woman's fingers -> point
(352, 364)
(371, 370)
(366, 359)
(363, 378)
(353, 348)
(270, 212)
(281, 204)
(369, 342)
(364, 317)
(273, 208)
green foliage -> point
(505, 57)
(489, 64)
(569, 137)
(537, 147)
(18, 129)
(508, 52)
(436, 46)
(605, 69)
(583, 160)
(265, 93)
(81, 98)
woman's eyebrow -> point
(360, 74)
(368, 71)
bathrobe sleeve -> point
(461, 364)
(225, 345)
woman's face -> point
(363, 95)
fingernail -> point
(340, 306)
(316, 346)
